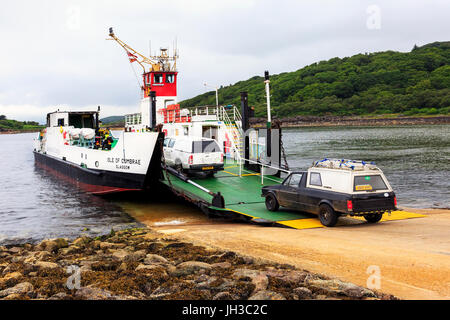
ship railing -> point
(133, 119)
(175, 116)
(204, 111)
(263, 165)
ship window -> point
(170, 78)
(158, 78)
(61, 122)
(315, 179)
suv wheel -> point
(373, 218)
(328, 217)
(179, 167)
(272, 202)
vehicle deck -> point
(243, 198)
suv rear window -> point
(205, 146)
(369, 183)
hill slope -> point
(14, 125)
(412, 83)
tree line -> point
(411, 83)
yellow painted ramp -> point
(396, 215)
(315, 223)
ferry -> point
(74, 147)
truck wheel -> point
(373, 218)
(179, 167)
(210, 174)
(328, 217)
(272, 202)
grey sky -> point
(54, 53)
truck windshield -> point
(369, 183)
(205, 146)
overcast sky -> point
(54, 53)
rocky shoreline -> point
(312, 121)
(140, 264)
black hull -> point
(101, 181)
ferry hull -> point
(96, 181)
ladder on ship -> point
(232, 119)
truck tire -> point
(327, 216)
(373, 218)
(272, 202)
(179, 166)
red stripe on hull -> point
(89, 188)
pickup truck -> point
(332, 190)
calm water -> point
(34, 205)
(415, 159)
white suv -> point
(191, 154)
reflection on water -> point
(415, 159)
(35, 205)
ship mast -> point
(155, 63)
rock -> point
(92, 293)
(136, 256)
(303, 293)
(46, 265)
(248, 260)
(155, 259)
(120, 254)
(223, 296)
(110, 245)
(190, 267)
(14, 296)
(177, 245)
(337, 287)
(17, 259)
(52, 245)
(147, 267)
(354, 291)
(81, 242)
(3, 249)
(95, 244)
(227, 255)
(226, 284)
(10, 279)
(21, 288)
(73, 249)
(12, 275)
(258, 278)
(15, 250)
(291, 276)
(205, 285)
(267, 295)
(59, 296)
(42, 255)
(221, 265)
(4, 254)
(33, 274)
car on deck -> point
(332, 188)
(193, 155)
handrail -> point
(262, 166)
(226, 119)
